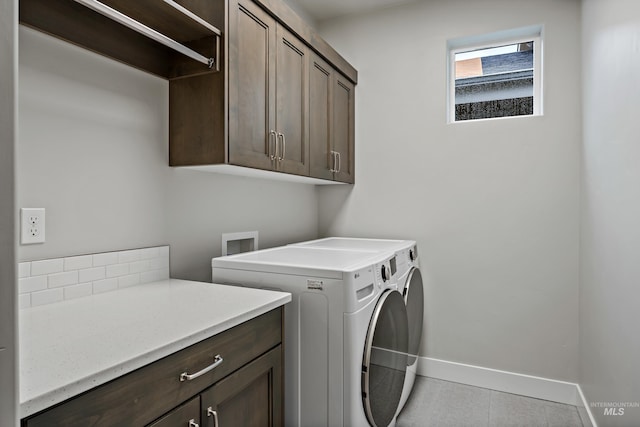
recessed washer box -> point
(236, 243)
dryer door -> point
(385, 359)
(414, 299)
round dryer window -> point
(414, 299)
(384, 365)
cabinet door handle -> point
(332, 169)
(284, 146)
(273, 136)
(193, 423)
(211, 412)
(217, 361)
(338, 161)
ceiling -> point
(327, 9)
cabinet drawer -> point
(187, 415)
(143, 395)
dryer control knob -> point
(412, 257)
(385, 273)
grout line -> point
(490, 405)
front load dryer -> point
(346, 333)
(406, 271)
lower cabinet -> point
(187, 415)
(231, 379)
(250, 397)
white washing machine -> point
(406, 274)
(346, 332)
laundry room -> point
(521, 229)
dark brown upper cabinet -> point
(269, 68)
(331, 123)
(277, 98)
(289, 106)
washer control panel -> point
(386, 273)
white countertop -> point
(72, 346)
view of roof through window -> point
(494, 82)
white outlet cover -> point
(32, 228)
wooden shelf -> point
(86, 27)
(166, 17)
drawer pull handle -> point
(193, 423)
(211, 412)
(217, 360)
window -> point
(496, 77)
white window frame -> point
(502, 38)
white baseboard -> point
(586, 406)
(509, 382)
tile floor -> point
(437, 403)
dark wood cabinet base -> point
(251, 352)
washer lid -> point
(384, 364)
(358, 244)
(330, 263)
(414, 299)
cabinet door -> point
(252, 63)
(320, 110)
(250, 397)
(343, 127)
(292, 103)
(187, 415)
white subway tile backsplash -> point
(46, 297)
(47, 266)
(53, 280)
(105, 285)
(164, 251)
(24, 301)
(63, 279)
(139, 266)
(24, 269)
(78, 262)
(91, 274)
(117, 270)
(148, 253)
(128, 256)
(154, 275)
(78, 291)
(130, 280)
(106, 258)
(157, 263)
(32, 284)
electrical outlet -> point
(33, 222)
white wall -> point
(93, 151)
(610, 272)
(204, 205)
(493, 204)
(8, 319)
